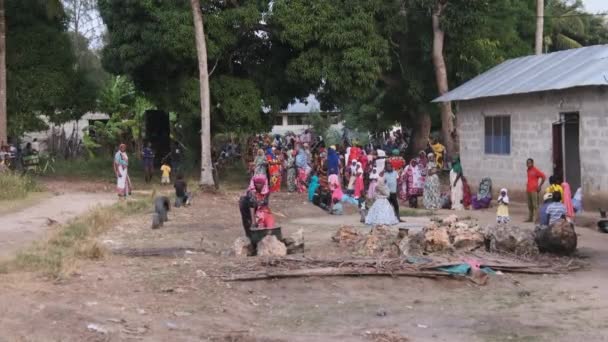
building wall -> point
(532, 117)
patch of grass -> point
(415, 212)
(93, 168)
(75, 240)
(14, 186)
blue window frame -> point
(498, 135)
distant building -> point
(296, 117)
(71, 130)
(552, 108)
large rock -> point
(380, 242)
(436, 239)
(346, 236)
(242, 247)
(466, 236)
(271, 246)
(559, 238)
(511, 239)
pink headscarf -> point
(334, 184)
(568, 200)
(259, 179)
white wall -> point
(532, 117)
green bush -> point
(14, 186)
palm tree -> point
(566, 26)
(206, 180)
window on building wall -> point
(278, 120)
(498, 135)
(295, 120)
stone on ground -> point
(465, 236)
(450, 220)
(511, 239)
(346, 236)
(242, 247)
(559, 238)
(436, 239)
(271, 246)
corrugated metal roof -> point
(587, 66)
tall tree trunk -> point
(421, 132)
(3, 114)
(540, 22)
(441, 76)
(206, 180)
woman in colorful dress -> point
(303, 169)
(260, 164)
(254, 206)
(291, 170)
(274, 169)
(121, 169)
(431, 198)
(414, 180)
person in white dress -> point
(381, 213)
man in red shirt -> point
(533, 188)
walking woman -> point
(121, 169)
(456, 185)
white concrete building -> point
(552, 108)
(295, 117)
(72, 129)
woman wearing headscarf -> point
(456, 185)
(260, 164)
(438, 151)
(121, 169)
(313, 186)
(397, 161)
(502, 212)
(291, 170)
(414, 182)
(333, 161)
(432, 190)
(254, 206)
(380, 160)
(274, 169)
(422, 161)
(303, 169)
(381, 213)
(484, 196)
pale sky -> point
(595, 6)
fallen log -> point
(334, 272)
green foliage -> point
(127, 109)
(41, 79)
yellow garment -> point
(166, 170)
(503, 210)
(556, 187)
(438, 151)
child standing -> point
(502, 213)
(166, 176)
(181, 191)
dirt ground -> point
(180, 297)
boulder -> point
(295, 243)
(559, 238)
(346, 236)
(436, 239)
(466, 236)
(242, 247)
(511, 239)
(271, 246)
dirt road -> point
(19, 228)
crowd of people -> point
(374, 178)
(378, 179)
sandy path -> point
(22, 227)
